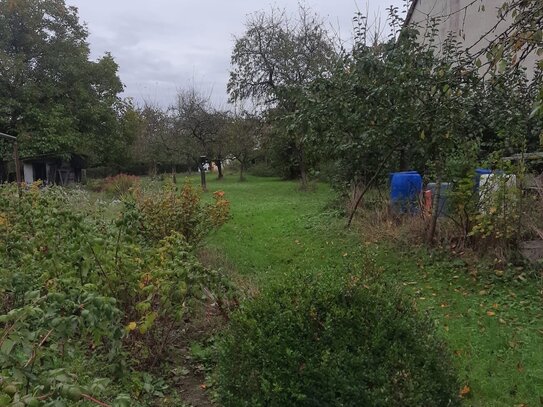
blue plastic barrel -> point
(391, 174)
(405, 190)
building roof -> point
(411, 11)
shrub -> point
(333, 341)
(120, 184)
(76, 286)
(263, 169)
(182, 211)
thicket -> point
(414, 103)
(78, 288)
(337, 340)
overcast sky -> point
(165, 45)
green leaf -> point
(7, 346)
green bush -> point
(263, 169)
(333, 341)
(180, 210)
(79, 288)
(120, 184)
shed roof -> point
(411, 11)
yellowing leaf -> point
(131, 326)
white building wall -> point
(470, 22)
(28, 173)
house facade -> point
(474, 22)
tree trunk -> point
(174, 175)
(369, 184)
(435, 210)
(403, 163)
(303, 172)
(203, 177)
(153, 170)
(219, 168)
(241, 169)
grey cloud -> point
(165, 45)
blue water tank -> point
(405, 191)
(391, 174)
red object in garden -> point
(427, 204)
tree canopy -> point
(52, 96)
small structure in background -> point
(54, 169)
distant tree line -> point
(57, 101)
(318, 107)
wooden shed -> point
(54, 169)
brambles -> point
(333, 340)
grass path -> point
(494, 325)
(276, 229)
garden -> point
(109, 300)
(362, 226)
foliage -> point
(74, 282)
(52, 96)
(489, 318)
(119, 185)
(180, 211)
(155, 143)
(335, 340)
(244, 133)
(200, 127)
(263, 169)
(523, 35)
(498, 216)
(274, 60)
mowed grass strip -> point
(494, 326)
(276, 229)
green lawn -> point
(494, 325)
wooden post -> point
(17, 164)
(15, 157)
(203, 173)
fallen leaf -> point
(464, 391)
(490, 313)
